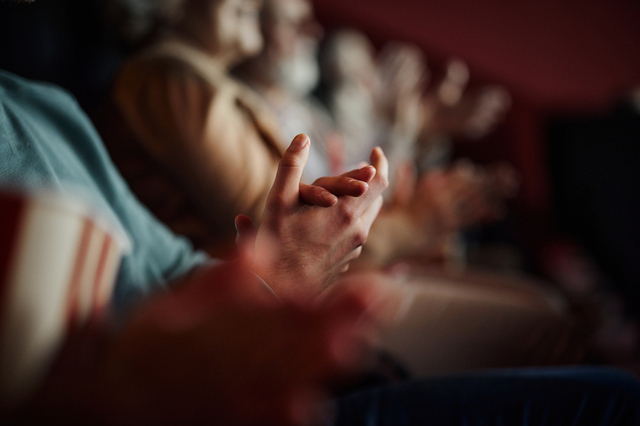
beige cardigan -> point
(211, 137)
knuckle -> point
(360, 237)
(348, 214)
(289, 162)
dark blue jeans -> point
(560, 396)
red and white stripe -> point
(57, 269)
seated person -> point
(218, 349)
(213, 143)
(198, 124)
(205, 146)
(374, 99)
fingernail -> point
(299, 142)
(356, 183)
(330, 198)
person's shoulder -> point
(18, 87)
(143, 74)
(153, 63)
(145, 61)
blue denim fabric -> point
(560, 396)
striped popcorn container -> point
(58, 263)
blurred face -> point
(289, 22)
(228, 29)
(358, 61)
(237, 26)
(293, 36)
(351, 60)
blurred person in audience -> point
(194, 125)
(367, 92)
(378, 100)
(374, 100)
(452, 111)
(218, 346)
(214, 138)
(381, 102)
(286, 71)
(205, 146)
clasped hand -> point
(310, 233)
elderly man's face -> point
(229, 29)
(237, 26)
(289, 22)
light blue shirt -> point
(47, 142)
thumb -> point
(286, 185)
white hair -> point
(339, 52)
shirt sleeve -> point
(57, 148)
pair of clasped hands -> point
(310, 233)
(220, 348)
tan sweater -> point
(213, 140)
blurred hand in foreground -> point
(216, 350)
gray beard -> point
(300, 74)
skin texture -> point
(301, 249)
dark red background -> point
(561, 56)
(553, 53)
